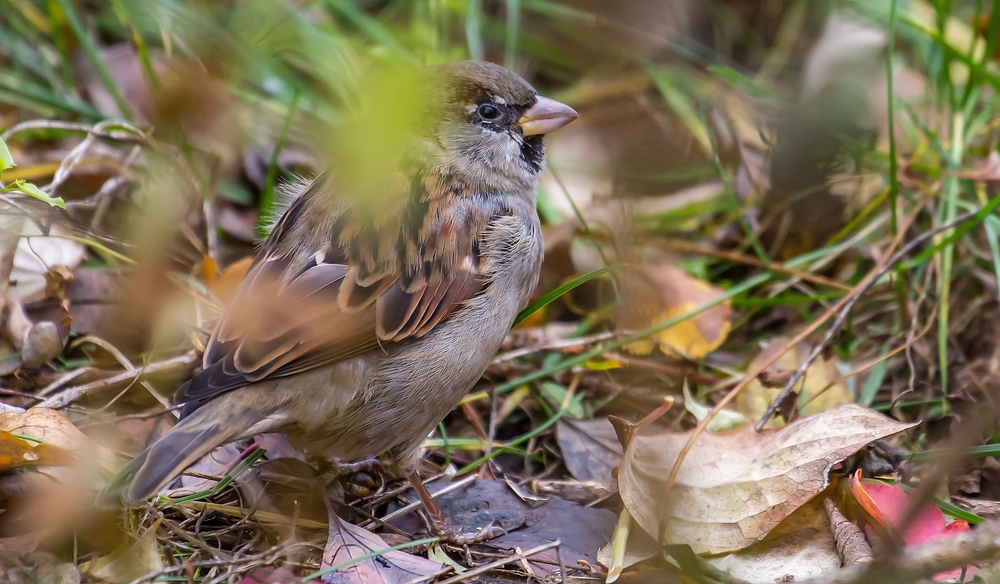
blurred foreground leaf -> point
(15, 453)
(132, 562)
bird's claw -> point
(358, 479)
(449, 534)
(340, 469)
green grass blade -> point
(551, 296)
(583, 358)
(95, 58)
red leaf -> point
(888, 506)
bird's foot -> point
(359, 479)
(440, 527)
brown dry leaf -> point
(223, 286)
(46, 425)
(582, 530)
(653, 294)
(590, 448)
(753, 400)
(347, 541)
(735, 487)
(799, 548)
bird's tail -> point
(151, 471)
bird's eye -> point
(488, 111)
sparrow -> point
(354, 333)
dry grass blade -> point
(842, 311)
(176, 366)
(472, 573)
(871, 277)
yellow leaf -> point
(15, 452)
(755, 398)
(653, 294)
(131, 562)
(602, 364)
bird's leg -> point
(438, 524)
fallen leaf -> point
(582, 492)
(735, 487)
(726, 419)
(753, 400)
(888, 505)
(590, 448)
(347, 541)
(36, 255)
(52, 428)
(15, 452)
(653, 294)
(799, 548)
(131, 562)
(40, 567)
(629, 545)
(986, 170)
(46, 425)
(223, 286)
(582, 530)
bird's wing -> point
(367, 283)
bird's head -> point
(490, 125)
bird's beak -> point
(545, 116)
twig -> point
(560, 344)
(261, 516)
(466, 575)
(127, 365)
(761, 367)
(9, 238)
(916, 562)
(694, 248)
(176, 366)
(844, 311)
(118, 130)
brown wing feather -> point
(290, 315)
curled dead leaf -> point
(735, 487)
(347, 542)
(653, 294)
